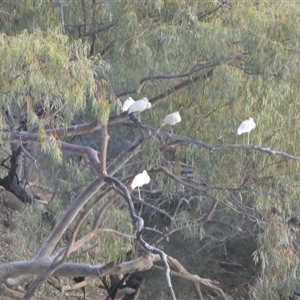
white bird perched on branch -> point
(139, 180)
(246, 126)
(139, 105)
(128, 102)
(171, 120)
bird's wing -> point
(127, 104)
(242, 128)
(136, 181)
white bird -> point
(128, 102)
(139, 106)
(246, 126)
(139, 180)
(171, 119)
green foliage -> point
(44, 69)
(29, 232)
(278, 260)
(41, 67)
(113, 240)
(113, 247)
(101, 110)
(50, 146)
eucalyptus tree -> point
(216, 63)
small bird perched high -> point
(139, 106)
(128, 102)
(171, 120)
(139, 180)
(246, 126)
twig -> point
(163, 257)
(5, 291)
(74, 287)
(183, 273)
(139, 226)
(116, 232)
(155, 208)
(96, 31)
(105, 138)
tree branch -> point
(183, 273)
(69, 216)
(37, 266)
(187, 140)
(196, 68)
(96, 31)
(5, 291)
(96, 224)
(105, 138)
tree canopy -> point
(69, 153)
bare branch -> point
(204, 65)
(188, 183)
(139, 226)
(60, 229)
(72, 130)
(155, 208)
(105, 138)
(37, 266)
(183, 273)
(163, 257)
(115, 119)
(142, 263)
(74, 287)
(184, 139)
(116, 232)
(5, 291)
(105, 28)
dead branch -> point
(5, 291)
(36, 266)
(183, 273)
(17, 281)
(163, 257)
(106, 28)
(105, 138)
(139, 226)
(141, 263)
(74, 287)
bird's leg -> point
(171, 129)
(139, 193)
(141, 208)
(248, 138)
